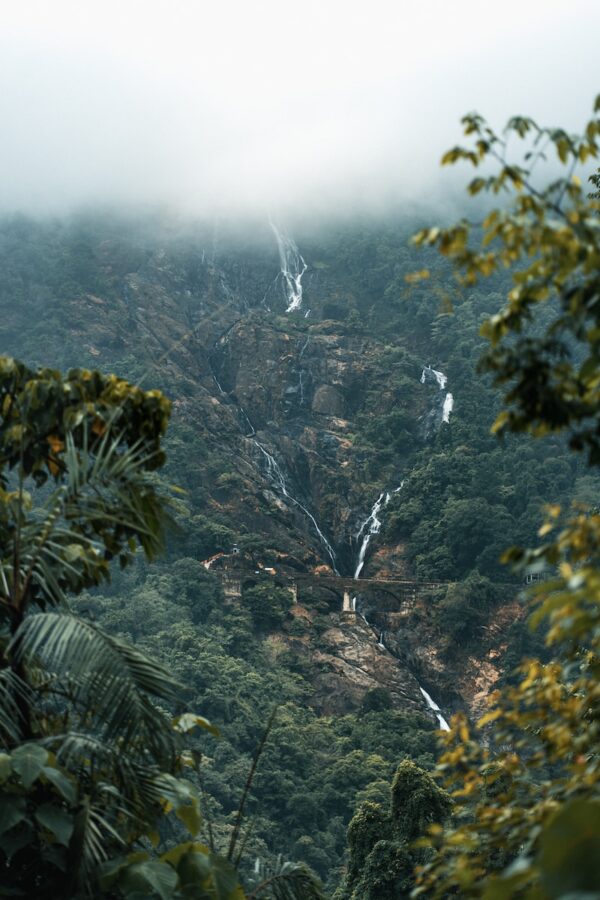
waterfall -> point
(276, 475)
(371, 526)
(293, 268)
(304, 346)
(380, 641)
(251, 429)
(448, 404)
(435, 708)
(441, 381)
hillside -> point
(327, 421)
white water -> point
(442, 381)
(293, 268)
(371, 526)
(380, 641)
(218, 384)
(435, 708)
(276, 475)
(251, 428)
(448, 404)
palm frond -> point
(14, 695)
(137, 788)
(94, 839)
(111, 682)
(284, 880)
(113, 482)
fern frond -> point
(284, 880)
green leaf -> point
(56, 820)
(570, 849)
(15, 839)
(28, 762)
(13, 810)
(227, 886)
(205, 874)
(5, 767)
(190, 815)
(64, 785)
(149, 879)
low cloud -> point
(242, 107)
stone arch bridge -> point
(403, 594)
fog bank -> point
(238, 108)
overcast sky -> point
(244, 105)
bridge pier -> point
(348, 613)
(232, 588)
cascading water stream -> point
(432, 705)
(293, 268)
(371, 526)
(447, 409)
(276, 475)
(273, 469)
(442, 381)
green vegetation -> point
(97, 291)
(90, 759)
(314, 769)
(381, 841)
(529, 797)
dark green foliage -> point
(312, 768)
(416, 802)
(91, 289)
(268, 605)
(376, 700)
(382, 857)
(91, 755)
(464, 608)
(369, 825)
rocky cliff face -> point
(271, 414)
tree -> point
(90, 760)
(382, 855)
(528, 818)
(269, 605)
(93, 760)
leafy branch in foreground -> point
(528, 790)
(92, 761)
(550, 237)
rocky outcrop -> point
(351, 663)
